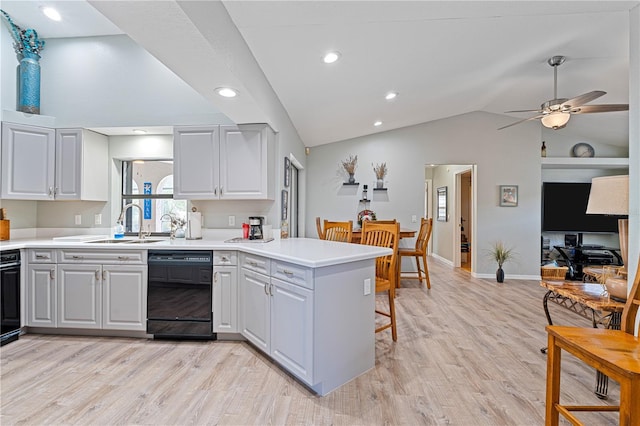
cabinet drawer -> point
(224, 258)
(112, 257)
(291, 273)
(42, 256)
(255, 263)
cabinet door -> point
(254, 314)
(79, 296)
(196, 158)
(246, 165)
(292, 328)
(225, 299)
(28, 161)
(124, 297)
(68, 164)
(41, 295)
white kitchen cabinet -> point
(79, 296)
(292, 328)
(28, 162)
(277, 316)
(224, 162)
(255, 308)
(40, 163)
(41, 295)
(124, 297)
(225, 292)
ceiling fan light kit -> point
(555, 113)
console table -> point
(586, 300)
(576, 258)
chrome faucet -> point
(172, 225)
(121, 218)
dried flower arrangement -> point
(350, 164)
(380, 170)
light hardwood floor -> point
(468, 353)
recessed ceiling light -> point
(51, 13)
(331, 57)
(378, 123)
(226, 92)
(139, 132)
(391, 95)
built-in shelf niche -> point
(584, 163)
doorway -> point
(464, 217)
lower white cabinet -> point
(225, 292)
(277, 317)
(41, 295)
(79, 292)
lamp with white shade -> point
(610, 195)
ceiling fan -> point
(555, 114)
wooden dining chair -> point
(384, 235)
(616, 353)
(420, 250)
(338, 231)
(319, 228)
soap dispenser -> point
(118, 230)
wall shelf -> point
(351, 184)
(379, 189)
(584, 163)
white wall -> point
(507, 157)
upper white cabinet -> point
(224, 162)
(39, 163)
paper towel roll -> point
(194, 226)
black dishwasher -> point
(10, 295)
(179, 294)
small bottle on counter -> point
(284, 230)
(118, 230)
(543, 150)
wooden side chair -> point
(420, 250)
(616, 353)
(338, 231)
(384, 235)
(319, 228)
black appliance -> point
(179, 294)
(255, 228)
(9, 296)
(564, 209)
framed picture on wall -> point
(287, 172)
(442, 203)
(508, 195)
(285, 204)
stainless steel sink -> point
(124, 241)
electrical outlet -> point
(367, 286)
(78, 219)
(232, 221)
(414, 219)
(97, 219)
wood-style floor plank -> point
(468, 353)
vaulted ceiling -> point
(443, 58)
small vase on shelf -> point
(380, 183)
(543, 150)
(351, 180)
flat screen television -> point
(564, 207)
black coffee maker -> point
(255, 228)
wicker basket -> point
(554, 272)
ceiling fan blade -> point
(522, 121)
(586, 109)
(582, 99)
(525, 110)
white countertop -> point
(309, 252)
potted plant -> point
(500, 253)
(350, 167)
(381, 171)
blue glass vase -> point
(29, 84)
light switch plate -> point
(414, 218)
(97, 219)
(78, 219)
(367, 286)
(232, 221)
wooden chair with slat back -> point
(384, 235)
(616, 353)
(420, 250)
(319, 228)
(338, 231)
(386, 221)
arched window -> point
(176, 208)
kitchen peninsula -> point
(307, 304)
